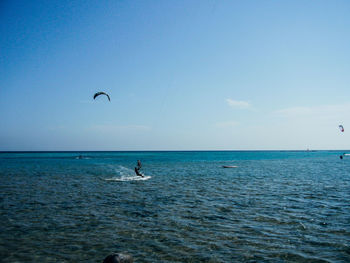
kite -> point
(101, 93)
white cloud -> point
(238, 104)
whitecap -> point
(128, 178)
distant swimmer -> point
(137, 168)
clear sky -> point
(182, 75)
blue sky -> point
(182, 75)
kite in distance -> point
(341, 128)
(101, 93)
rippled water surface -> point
(274, 207)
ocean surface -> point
(276, 206)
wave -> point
(126, 174)
(128, 178)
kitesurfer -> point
(137, 168)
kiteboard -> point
(229, 166)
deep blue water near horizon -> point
(276, 206)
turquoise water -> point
(274, 207)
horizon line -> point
(256, 150)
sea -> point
(275, 206)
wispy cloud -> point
(227, 124)
(57, 128)
(310, 111)
(328, 115)
(87, 101)
(238, 104)
(121, 128)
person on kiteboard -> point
(137, 168)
